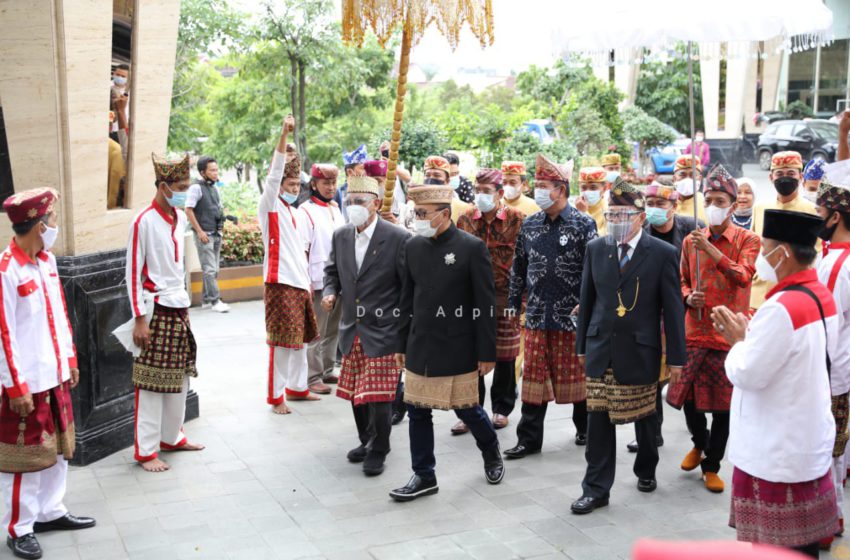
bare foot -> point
(281, 409)
(155, 465)
(189, 447)
(307, 397)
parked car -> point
(543, 129)
(663, 160)
(813, 138)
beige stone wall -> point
(55, 56)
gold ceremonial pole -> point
(398, 116)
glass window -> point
(824, 130)
(833, 75)
(785, 130)
(801, 76)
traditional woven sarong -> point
(363, 379)
(290, 319)
(171, 353)
(507, 339)
(782, 513)
(444, 393)
(841, 412)
(703, 380)
(551, 370)
(623, 403)
(32, 443)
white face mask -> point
(543, 198)
(424, 228)
(485, 202)
(511, 192)
(357, 215)
(811, 196)
(699, 138)
(48, 236)
(685, 187)
(592, 197)
(764, 269)
(716, 215)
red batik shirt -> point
(500, 236)
(726, 282)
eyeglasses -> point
(357, 201)
(619, 216)
(422, 213)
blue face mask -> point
(455, 182)
(656, 216)
(485, 202)
(177, 199)
(611, 176)
(592, 197)
(288, 197)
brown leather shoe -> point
(500, 421)
(459, 429)
(331, 380)
(692, 459)
(320, 388)
(713, 483)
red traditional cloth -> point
(32, 444)
(324, 171)
(726, 283)
(363, 379)
(290, 319)
(783, 513)
(703, 380)
(841, 414)
(487, 176)
(507, 338)
(551, 370)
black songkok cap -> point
(798, 228)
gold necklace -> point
(621, 310)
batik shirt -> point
(464, 191)
(547, 266)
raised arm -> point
(275, 175)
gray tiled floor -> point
(280, 487)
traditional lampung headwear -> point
(833, 196)
(657, 190)
(432, 194)
(814, 170)
(376, 168)
(799, 228)
(437, 162)
(788, 159)
(683, 163)
(626, 194)
(720, 180)
(324, 171)
(592, 175)
(355, 157)
(292, 169)
(489, 176)
(513, 168)
(611, 159)
(363, 185)
(547, 170)
(30, 204)
(170, 170)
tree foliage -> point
(662, 91)
(647, 131)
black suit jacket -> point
(682, 226)
(631, 345)
(450, 299)
(370, 297)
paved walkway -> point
(280, 487)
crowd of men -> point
(596, 301)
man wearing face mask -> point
(515, 179)
(446, 338)
(612, 164)
(593, 182)
(462, 186)
(38, 369)
(498, 226)
(701, 149)
(290, 319)
(785, 173)
(812, 176)
(688, 186)
(354, 166)
(630, 283)
(155, 279)
(364, 271)
(438, 172)
(547, 267)
(727, 256)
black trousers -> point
(659, 413)
(711, 442)
(502, 390)
(398, 404)
(810, 550)
(601, 453)
(374, 424)
(529, 431)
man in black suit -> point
(365, 270)
(447, 338)
(630, 282)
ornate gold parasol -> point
(383, 16)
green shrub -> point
(243, 243)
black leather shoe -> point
(357, 455)
(416, 487)
(494, 467)
(586, 504)
(25, 547)
(659, 441)
(581, 439)
(520, 451)
(373, 464)
(633, 447)
(398, 416)
(67, 522)
(647, 485)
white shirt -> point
(322, 220)
(195, 194)
(33, 312)
(285, 236)
(155, 253)
(781, 426)
(632, 243)
(834, 273)
(361, 242)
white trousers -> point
(159, 421)
(31, 497)
(839, 473)
(287, 373)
